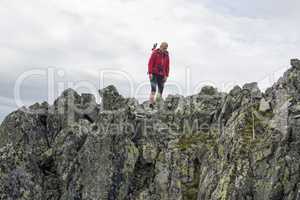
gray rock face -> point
(264, 106)
(210, 146)
(295, 63)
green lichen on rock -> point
(191, 140)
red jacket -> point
(159, 63)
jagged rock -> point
(111, 99)
(212, 145)
(89, 108)
(295, 63)
(253, 90)
(264, 105)
(208, 90)
(236, 90)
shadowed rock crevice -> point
(143, 176)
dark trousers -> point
(157, 81)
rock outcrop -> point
(240, 145)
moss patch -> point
(188, 140)
(190, 190)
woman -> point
(158, 70)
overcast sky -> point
(216, 42)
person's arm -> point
(150, 64)
(167, 67)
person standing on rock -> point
(158, 70)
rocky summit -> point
(240, 145)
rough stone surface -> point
(295, 63)
(264, 105)
(244, 145)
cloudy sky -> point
(47, 46)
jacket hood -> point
(159, 51)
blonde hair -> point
(164, 43)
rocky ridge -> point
(240, 145)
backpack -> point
(154, 46)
